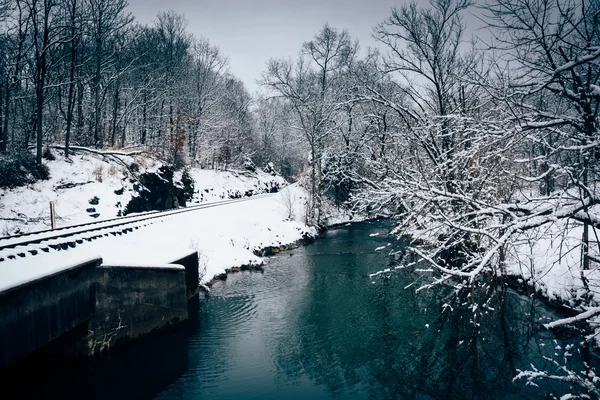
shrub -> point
(249, 165)
(47, 154)
(134, 167)
(20, 169)
(188, 185)
(99, 173)
(270, 169)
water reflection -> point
(138, 371)
(319, 328)
(315, 325)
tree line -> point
(84, 72)
(487, 150)
(471, 142)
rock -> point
(94, 201)
(157, 191)
(90, 210)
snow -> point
(225, 236)
(26, 208)
(17, 273)
(175, 267)
(213, 185)
(552, 261)
(549, 257)
(98, 174)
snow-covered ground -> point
(552, 263)
(74, 183)
(224, 237)
(549, 258)
(71, 186)
(213, 185)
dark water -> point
(314, 325)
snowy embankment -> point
(72, 184)
(95, 186)
(224, 236)
(548, 256)
(549, 259)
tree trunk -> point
(144, 119)
(115, 114)
(3, 136)
(80, 119)
(70, 101)
(6, 118)
(97, 106)
(41, 82)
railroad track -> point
(28, 244)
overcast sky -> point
(249, 32)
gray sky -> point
(249, 32)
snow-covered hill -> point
(94, 186)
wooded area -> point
(472, 141)
(482, 147)
(84, 72)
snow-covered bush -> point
(270, 169)
(19, 169)
(249, 165)
(188, 184)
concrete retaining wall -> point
(39, 311)
(192, 274)
(92, 307)
(133, 301)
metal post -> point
(52, 216)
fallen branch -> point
(101, 152)
(571, 320)
(71, 185)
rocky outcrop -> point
(158, 191)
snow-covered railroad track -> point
(12, 247)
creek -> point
(315, 325)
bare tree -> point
(13, 43)
(209, 68)
(45, 35)
(310, 87)
(555, 47)
(107, 17)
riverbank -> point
(545, 262)
(95, 185)
(225, 236)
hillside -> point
(95, 185)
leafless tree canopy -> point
(482, 150)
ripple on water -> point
(232, 314)
(314, 326)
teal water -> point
(315, 325)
